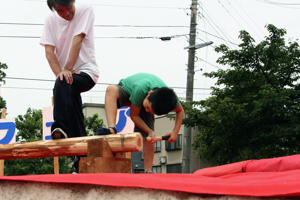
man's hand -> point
(67, 74)
(74, 71)
(153, 138)
(173, 136)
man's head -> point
(64, 8)
(160, 101)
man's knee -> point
(61, 85)
(58, 82)
(112, 91)
(112, 88)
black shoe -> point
(76, 163)
(149, 172)
(58, 133)
(105, 131)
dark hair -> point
(53, 3)
(163, 100)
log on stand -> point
(130, 142)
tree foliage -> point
(30, 126)
(3, 66)
(254, 111)
(92, 123)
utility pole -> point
(187, 141)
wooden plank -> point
(104, 165)
(1, 167)
(56, 165)
(130, 142)
(55, 159)
(128, 155)
(2, 161)
(99, 148)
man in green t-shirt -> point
(146, 94)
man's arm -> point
(52, 59)
(178, 122)
(134, 115)
(74, 52)
(73, 56)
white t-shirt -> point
(59, 32)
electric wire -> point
(219, 37)
(279, 3)
(231, 15)
(103, 25)
(47, 80)
(126, 6)
(206, 16)
(249, 17)
(243, 19)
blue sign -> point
(11, 128)
(123, 114)
(48, 124)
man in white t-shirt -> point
(68, 38)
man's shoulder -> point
(84, 7)
(51, 17)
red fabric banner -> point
(262, 178)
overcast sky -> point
(127, 41)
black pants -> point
(67, 113)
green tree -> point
(92, 123)
(29, 129)
(30, 126)
(3, 66)
(254, 112)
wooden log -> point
(130, 142)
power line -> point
(279, 3)
(47, 80)
(210, 63)
(219, 37)
(21, 36)
(243, 19)
(24, 88)
(126, 6)
(104, 37)
(212, 19)
(32, 88)
(103, 25)
(285, 5)
(231, 15)
(248, 16)
(156, 7)
(112, 26)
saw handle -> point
(159, 138)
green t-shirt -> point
(138, 86)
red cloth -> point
(259, 184)
(215, 180)
(280, 164)
(223, 169)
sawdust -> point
(22, 190)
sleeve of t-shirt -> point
(47, 34)
(86, 22)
